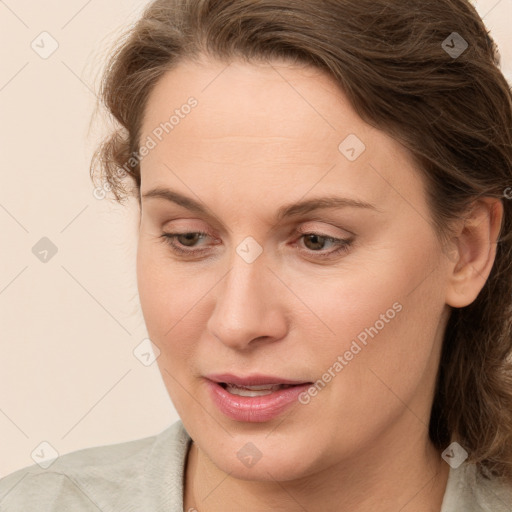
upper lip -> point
(251, 380)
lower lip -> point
(254, 409)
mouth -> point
(255, 398)
(262, 384)
(261, 390)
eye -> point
(177, 242)
(185, 240)
(313, 240)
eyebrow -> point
(283, 212)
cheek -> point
(165, 298)
(388, 336)
(161, 292)
(171, 298)
(164, 290)
(150, 286)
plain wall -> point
(69, 326)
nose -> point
(248, 310)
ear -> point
(474, 252)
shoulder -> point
(121, 476)
(470, 491)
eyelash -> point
(343, 245)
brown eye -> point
(315, 243)
(185, 243)
(183, 240)
(188, 239)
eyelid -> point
(304, 230)
(342, 245)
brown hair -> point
(452, 112)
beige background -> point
(69, 326)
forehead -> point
(282, 103)
(261, 126)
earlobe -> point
(474, 252)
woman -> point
(323, 262)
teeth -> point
(261, 390)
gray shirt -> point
(146, 475)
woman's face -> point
(267, 294)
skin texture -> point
(263, 136)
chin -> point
(256, 458)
